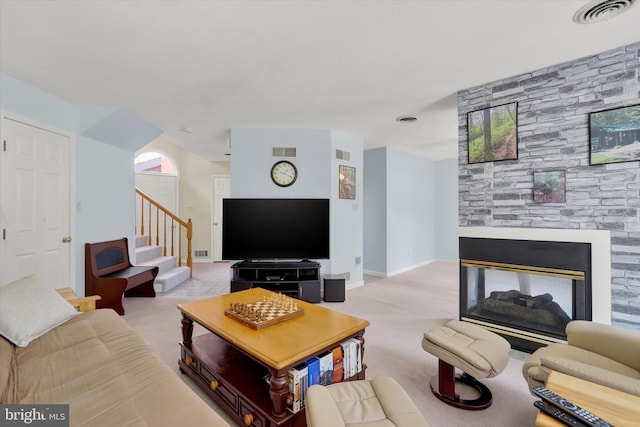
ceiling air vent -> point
(283, 151)
(601, 10)
(406, 119)
(343, 155)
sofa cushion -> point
(28, 309)
(380, 402)
(358, 403)
(6, 363)
(109, 377)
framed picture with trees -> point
(493, 134)
(347, 182)
(550, 187)
(614, 135)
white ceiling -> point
(354, 66)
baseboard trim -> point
(405, 269)
(354, 285)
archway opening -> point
(155, 163)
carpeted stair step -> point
(147, 253)
(169, 274)
(168, 280)
(141, 241)
(164, 263)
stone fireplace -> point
(527, 284)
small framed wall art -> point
(614, 135)
(549, 187)
(347, 182)
(493, 134)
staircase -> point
(170, 274)
(155, 223)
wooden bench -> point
(110, 274)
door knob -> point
(66, 239)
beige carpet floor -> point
(400, 309)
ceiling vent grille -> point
(283, 151)
(601, 10)
(343, 155)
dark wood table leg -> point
(362, 374)
(360, 336)
(278, 391)
(187, 331)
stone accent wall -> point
(553, 134)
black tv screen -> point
(261, 229)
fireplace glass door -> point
(532, 300)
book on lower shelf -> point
(357, 356)
(341, 363)
(297, 388)
(326, 368)
(338, 368)
(313, 367)
(346, 360)
(352, 357)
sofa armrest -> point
(593, 374)
(81, 304)
(619, 344)
(321, 410)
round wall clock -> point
(284, 173)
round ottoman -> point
(478, 353)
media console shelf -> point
(297, 279)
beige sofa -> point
(98, 365)
(602, 354)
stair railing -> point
(149, 207)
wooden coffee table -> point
(231, 362)
(615, 407)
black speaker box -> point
(334, 288)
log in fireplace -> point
(524, 290)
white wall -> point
(251, 162)
(104, 174)
(347, 214)
(375, 210)
(446, 203)
(28, 101)
(410, 211)
(105, 180)
(105, 198)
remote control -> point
(570, 407)
(558, 414)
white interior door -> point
(221, 190)
(35, 196)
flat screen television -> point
(275, 229)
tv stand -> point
(297, 279)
